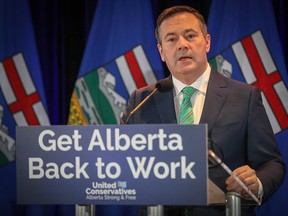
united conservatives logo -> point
(115, 191)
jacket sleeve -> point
(262, 148)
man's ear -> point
(208, 42)
(161, 52)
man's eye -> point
(190, 36)
(171, 39)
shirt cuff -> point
(260, 190)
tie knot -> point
(188, 91)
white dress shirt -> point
(198, 97)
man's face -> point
(183, 46)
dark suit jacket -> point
(237, 123)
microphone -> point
(162, 86)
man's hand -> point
(248, 177)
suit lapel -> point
(216, 96)
(165, 106)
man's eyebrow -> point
(185, 32)
(190, 30)
(169, 34)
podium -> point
(109, 164)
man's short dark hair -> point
(169, 12)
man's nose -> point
(182, 43)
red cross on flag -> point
(20, 93)
(258, 69)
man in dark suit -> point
(233, 111)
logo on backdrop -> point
(96, 100)
(110, 191)
(258, 68)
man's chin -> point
(188, 69)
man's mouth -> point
(184, 58)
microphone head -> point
(164, 85)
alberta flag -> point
(22, 100)
(121, 55)
(246, 46)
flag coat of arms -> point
(95, 99)
(246, 46)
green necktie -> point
(186, 111)
(187, 117)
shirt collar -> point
(200, 84)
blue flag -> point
(121, 55)
(246, 46)
(22, 100)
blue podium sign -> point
(112, 164)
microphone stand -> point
(162, 86)
(85, 210)
(157, 210)
(140, 104)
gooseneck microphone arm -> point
(140, 104)
(161, 86)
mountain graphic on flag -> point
(256, 64)
(96, 100)
(23, 102)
